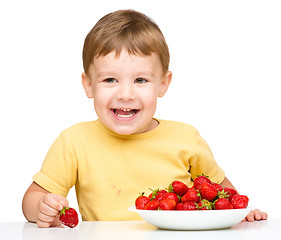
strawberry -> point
(230, 191)
(222, 203)
(224, 194)
(208, 191)
(167, 204)
(178, 188)
(239, 201)
(192, 195)
(199, 180)
(187, 206)
(190, 206)
(157, 194)
(173, 196)
(69, 217)
(204, 204)
(152, 205)
(217, 186)
(179, 206)
(141, 201)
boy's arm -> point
(227, 183)
(42, 207)
(254, 214)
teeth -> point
(133, 112)
(125, 109)
(125, 116)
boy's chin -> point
(133, 128)
(124, 131)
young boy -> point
(126, 150)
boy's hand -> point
(256, 215)
(48, 210)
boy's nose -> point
(126, 92)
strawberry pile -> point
(204, 195)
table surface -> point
(269, 229)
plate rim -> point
(150, 216)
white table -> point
(266, 230)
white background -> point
(226, 64)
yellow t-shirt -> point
(110, 170)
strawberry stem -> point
(63, 210)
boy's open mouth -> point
(125, 112)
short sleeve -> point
(204, 162)
(59, 170)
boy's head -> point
(126, 61)
(125, 29)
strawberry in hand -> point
(69, 217)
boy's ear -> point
(87, 85)
(165, 84)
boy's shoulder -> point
(182, 132)
(177, 124)
(180, 127)
(79, 129)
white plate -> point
(193, 220)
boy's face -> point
(125, 90)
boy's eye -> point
(110, 80)
(140, 80)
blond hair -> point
(125, 29)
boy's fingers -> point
(264, 216)
(42, 224)
(47, 210)
(63, 201)
(53, 201)
(46, 218)
(250, 217)
(256, 215)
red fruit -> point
(230, 191)
(141, 201)
(222, 203)
(192, 195)
(178, 188)
(187, 206)
(179, 206)
(172, 196)
(217, 186)
(199, 180)
(167, 204)
(204, 204)
(157, 194)
(69, 217)
(224, 194)
(152, 205)
(239, 201)
(208, 191)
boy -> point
(110, 160)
